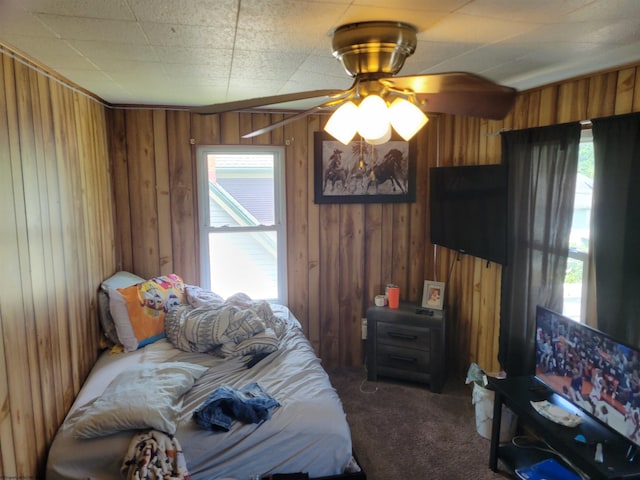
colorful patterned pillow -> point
(138, 311)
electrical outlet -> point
(364, 329)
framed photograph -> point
(433, 295)
(364, 173)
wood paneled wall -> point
(56, 245)
(340, 256)
(62, 154)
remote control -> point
(424, 311)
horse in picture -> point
(390, 169)
(357, 176)
(335, 172)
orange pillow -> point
(139, 310)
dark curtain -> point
(616, 226)
(542, 165)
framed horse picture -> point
(364, 173)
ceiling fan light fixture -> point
(343, 123)
(406, 118)
(374, 47)
(379, 141)
(373, 118)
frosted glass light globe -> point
(373, 118)
(407, 119)
(342, 125)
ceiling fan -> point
(373, 53)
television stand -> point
(517, 394)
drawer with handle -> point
(403, 335)
(407, 359)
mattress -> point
(308, 432)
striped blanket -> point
(235, 327)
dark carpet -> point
(400, 430)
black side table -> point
(407, 345)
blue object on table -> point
(549, 469)
(580, 439)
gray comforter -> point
(307, 433)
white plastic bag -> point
(483, 401)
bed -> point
(306, 432)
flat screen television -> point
(592, 370)
(468, 210)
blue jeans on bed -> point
(250, 404)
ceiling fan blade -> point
(458, 93)
(337, 99)
(494, 105)
(298, 116)
(261, 101)
(281, 123)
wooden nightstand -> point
(407, 345)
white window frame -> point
(280, 223)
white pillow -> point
(122, 325)
(120, 280)
(117, 280)
(147, 396)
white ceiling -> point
(196, 52)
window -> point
(576, 279)
(241, 197)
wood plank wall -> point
(57, 243)
(340, 256)
(59, 237)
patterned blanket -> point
(234, 327)
(154, 455)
